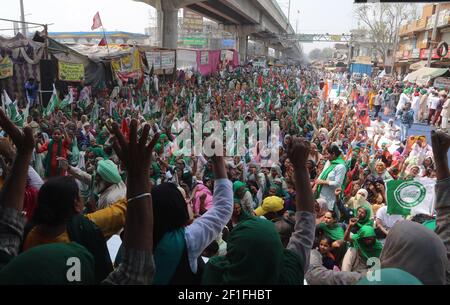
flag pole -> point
(104, 36)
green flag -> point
(11, 110)
(53, 103)
(68, 100)
(410, 197)
(115, 115)
(95, 113)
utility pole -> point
(22, 18)
(433, 36)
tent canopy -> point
(423, 75)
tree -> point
(382, 22)
(318, 54)
(315, 54)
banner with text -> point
(70, 72)
(6, 67)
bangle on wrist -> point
(139, 197)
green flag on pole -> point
(53, 103)
(11, 110)
(67, 101)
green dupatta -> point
(327, 171)
(168, 254)
(335, 233)
(366, 252)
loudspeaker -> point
(48, 71)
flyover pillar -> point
(243, 48)
(266, 49)
(170, 28)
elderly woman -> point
(380, 171)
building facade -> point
(415, 39)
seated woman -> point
(177, 245)
(385, 222)
(58, 219)
(325, 249)
(330, 227)
(320, 207)
(364, 246)
(362, 219)
(243, 196)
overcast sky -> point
(316, 16)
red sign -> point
(424, 54)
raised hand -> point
(24, 141)
(135, 155)
(298, 152)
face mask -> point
(360, 198)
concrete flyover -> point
(258, 19)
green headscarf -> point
(366, 253)
(392, 276)
(335, 232)
(255, 255)
(366, 221)
(237, 185)
(48, 265)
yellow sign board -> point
(336, 37)
(70, 72)
(6, 67)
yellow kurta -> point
(110, 220)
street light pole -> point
(433, 36)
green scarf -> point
(327, 171)
(168, 255)
(255, 255)
(335, 232)
(366, 221)
(47, 265)
(85, 232)
(366, 253)
(236, 186)
(48, 158)
(156, 171)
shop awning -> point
(418, 65)
(423, 75)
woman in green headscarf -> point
(255, 255)
(364, 246)
(243, 196)
(330, 226)
(363, 215)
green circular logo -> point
(410, 194)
